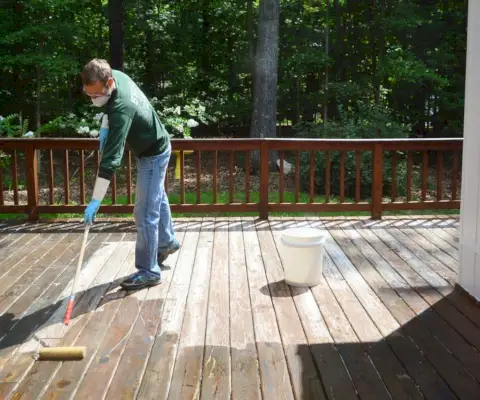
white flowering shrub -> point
(85, 124)
(178, 120)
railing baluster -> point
(377, 189)
(424, 175)
(312, 176)
(409, 176)
(129, 177)
(31, 172)
(230, 177)
(182, 178)
(297, 177)
(342, 177)
(66, 177)
(82, 177)
(51, 177)
(215, 162)
(247, 177)
(1, 184)
(264, 182)
(439, 175)
(394, 175)
(15, 177)
(454, 176)
(198, 172)
(327, 178)
(358, 160)
(114, 189)
(281, 176)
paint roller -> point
(69, 352)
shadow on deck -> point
(385, 322)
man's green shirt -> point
(132, 120)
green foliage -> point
(179, 121)
(407, 56)
(9, 128)
(366, 121)
(85, 124)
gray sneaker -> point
(164, 253)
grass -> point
(223, 198)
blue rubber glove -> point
(91, 211)
(103, 137)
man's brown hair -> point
(96, 70)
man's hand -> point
(91, 211)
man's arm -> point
(112, 154)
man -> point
(130, 118)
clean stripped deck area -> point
(386, 321)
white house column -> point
(469, 275)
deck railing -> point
(380, 163)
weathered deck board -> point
(187, 373)
(132, 364)
(384, 322)
(216, 379)
(273, 368)
(245, 376)
(156, 379)
(328, 359)
(303, 374)
(462, 383)
(96, 285)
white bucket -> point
(303, 251)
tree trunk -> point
(116, 12)
(327, 49)
(251, 45)
(264, 115)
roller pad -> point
(62, 353)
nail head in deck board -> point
(245, 375)
(129, 373)
(334, 375)
(405, 316)
(100, 327)
(187, 374)
(274, 375)
(34, 382)
(157, 377)
(216, 375)
(305, 380)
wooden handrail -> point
(378, 148)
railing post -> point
(264, 168)
(32, 181)
(377, 181)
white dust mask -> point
(100, 101)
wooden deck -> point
(386, 321)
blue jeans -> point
(152, 214)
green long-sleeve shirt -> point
(132, 120)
